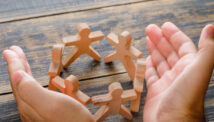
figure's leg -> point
(135, 104)
(129, 66)
(70, 57)
(111, 57)
(93, 53)
(85, 99)
(125, 112)
(101, 114)
(51, 86)
(55, 69)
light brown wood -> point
(138, 84)
(82, 42)
(56, 64)
(50, 85)
(112, 102)
(56, 60)
(70, 86)
(139, 75)
(124, 51)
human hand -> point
(36, 103)
(177, 74)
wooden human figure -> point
(138, 84)
(56, 63)
(81, 43)
(70, 86)
(112, 102)
(124, 51)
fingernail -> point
(17, 76)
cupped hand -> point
(177, 73)
(36, 103)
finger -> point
(30, 91)
(14, 64)
(13, 61)
(206, 38)
(22, 56)
(181, 43)
(25, 110)
(151, 74)
(158, 60)
(206, 49)
(164, 47)
(150, 45)
(19, 51)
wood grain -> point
(93, 87)
(13, 10)
(36, 36)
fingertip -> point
(17, 48)
(154, 33)
(13, 47)
(209, 31)
(207, 38)
(168, 29)
(167, 25)
(19, 51)
(210, 26)
(8, 54)
(5, 52)
(150, 28)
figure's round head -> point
(72, 82)
(125, 38)
(83, 29)
(115, 89)
(57, 53)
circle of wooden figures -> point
(111, 102)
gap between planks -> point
(84, 79)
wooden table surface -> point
(37, 25)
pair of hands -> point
(177, 76)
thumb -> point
(20, 78)
(206, 44)
(26, 86)
(205, 59)
(30, 91)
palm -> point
(171, 52)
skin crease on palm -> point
(177, 77)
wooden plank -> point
(37, 36)
(13, 10)
(8, 110)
